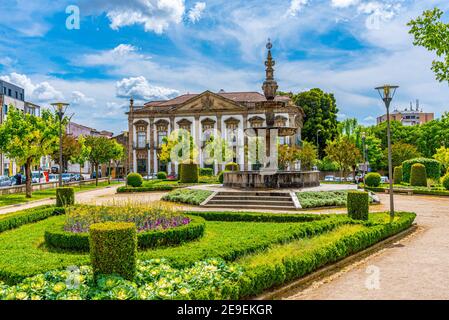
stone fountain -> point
(268, 176)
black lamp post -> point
(387, 93)
(60, 109)
(364, 155)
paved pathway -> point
(416, 267)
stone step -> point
(242, 206)
(252, 202)
(253, 194)
(245, 197)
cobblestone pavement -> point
(416, 267)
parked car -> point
(53, 177)
(38, 177)
(384, 179)
(338, 179)
(150, 177)
(77, 177)
(94, 174)
(66, 177)
(329, 178)
(5, 181)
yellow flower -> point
(59, 287)
(21, 295)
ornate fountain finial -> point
(270, 85)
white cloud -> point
(79, 98)
(42, 92)
(344, 3)
(154, 15)
(196, 12)
(296, 6)
(117, 55)
(140, 89)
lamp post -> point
(364, 155)
(318, 143)
(60, 109)
(387, 93)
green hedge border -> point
(146, 189)
(229, 216)
(16, 219)
(259, 278)
(57, 238)
(440, 193)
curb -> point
(302, 283)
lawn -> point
(17, 198)
(251, 252)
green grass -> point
(23, 253)
(175, 183)
(189, 196)
(18, 198)
(322, 199)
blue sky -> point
(157, 49)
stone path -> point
(416, 267)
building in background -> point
(409, 116)
(121, 170)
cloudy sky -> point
(157, 49)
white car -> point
(329, 178)
(38, 177)
(384, 179)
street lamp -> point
(387, 93)
(364, 155)
(317, 143)
(60, 109)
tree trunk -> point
(28, 178)
(109, 172)
(96, 174)
(81, 172)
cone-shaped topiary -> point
(358, 205)
(134, 180)
(372, 179)
(113, 248)
(189, 173)
(397, 176)
(65, 197)
(418, 175)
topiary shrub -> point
(113, 249)
(232, 166)
(189, 173)
(418, 175)
(134, 180)
(162, 175)
(221, 176)
(358, 205)
(433, 168)
(65, 196)
(397, 175)
(445, 181)
(208, 172)
(372, 179)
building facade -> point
(226, 114)
(409, 116)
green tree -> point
(70, 149)
(83, 155)
(442, 155)
(307, 154)
(286, 155)
(117, 154)
(344, 152)
(432, 33)
(401, 152)
(320, 115)
(100, 152)
(26, 138)
(432, 135)
(175, 145)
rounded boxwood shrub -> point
(358, 205)
(397, 175)
(65, 196)
(209, 172)
(433, 168)
(232, 166)
(189, 173)
(134, 180)
(445, 181)
(372, 179)
(113, 249)
(162, 175)
(418, 175)
(57, 237)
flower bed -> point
(157, 225)
(189, 196)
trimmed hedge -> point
(372, 179)
(65, 196)
(208, 172)
(221, 176)
(134, 180)
(433, 168)
(445, 181)
(189, 173)
(16, 219)
(397, 175)
(418, 175)
(273, 271)
(358, 205)
(232, 166)
(161, 175)
(113, 249)
(146, 189)
(259, 216)
(58, 238)
(186, 195)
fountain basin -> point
(279, 179)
